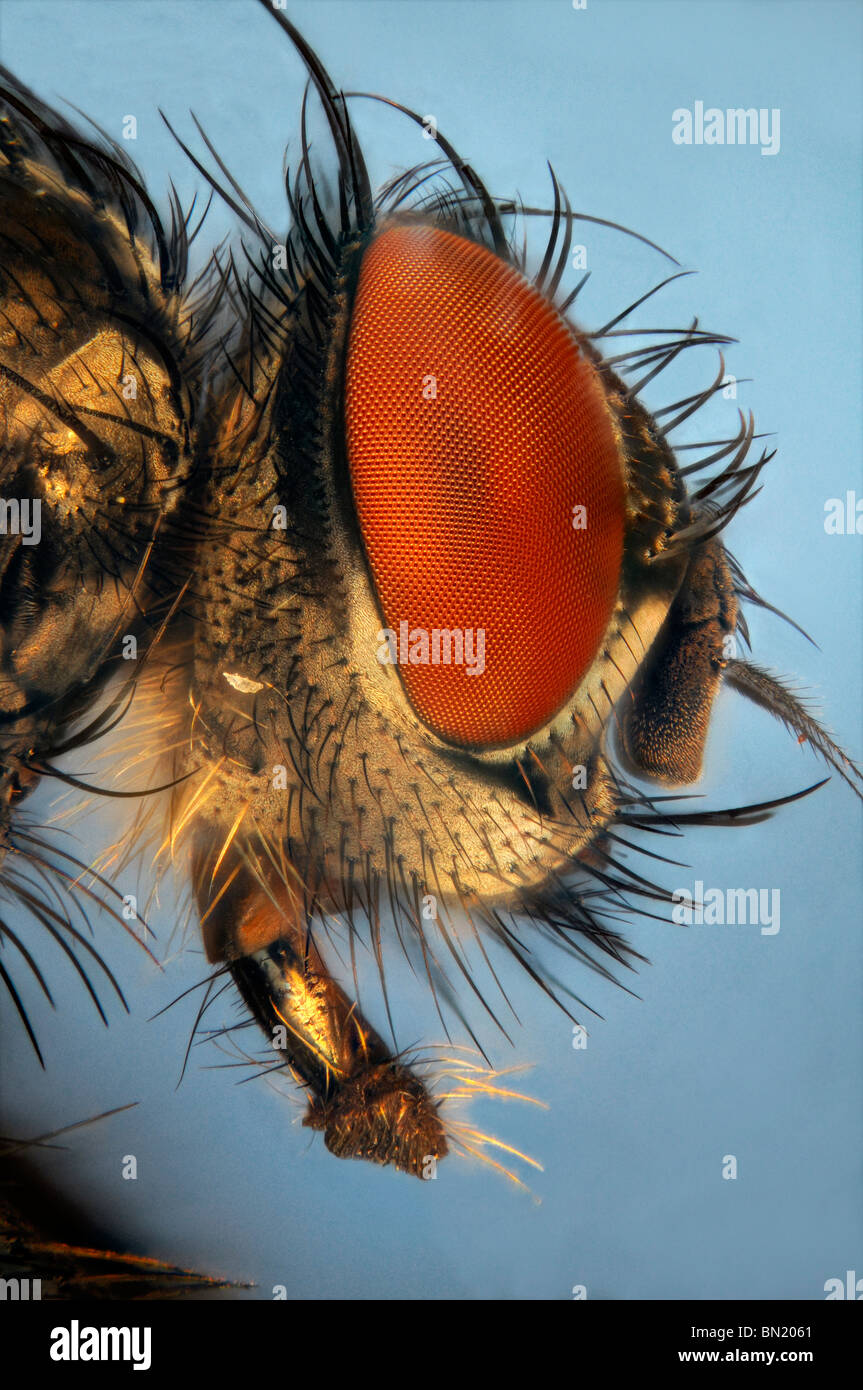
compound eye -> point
(487, 481)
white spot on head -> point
(243, 683)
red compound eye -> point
(475, 427)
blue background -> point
(740, 1043)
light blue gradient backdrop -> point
(740, 1044)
